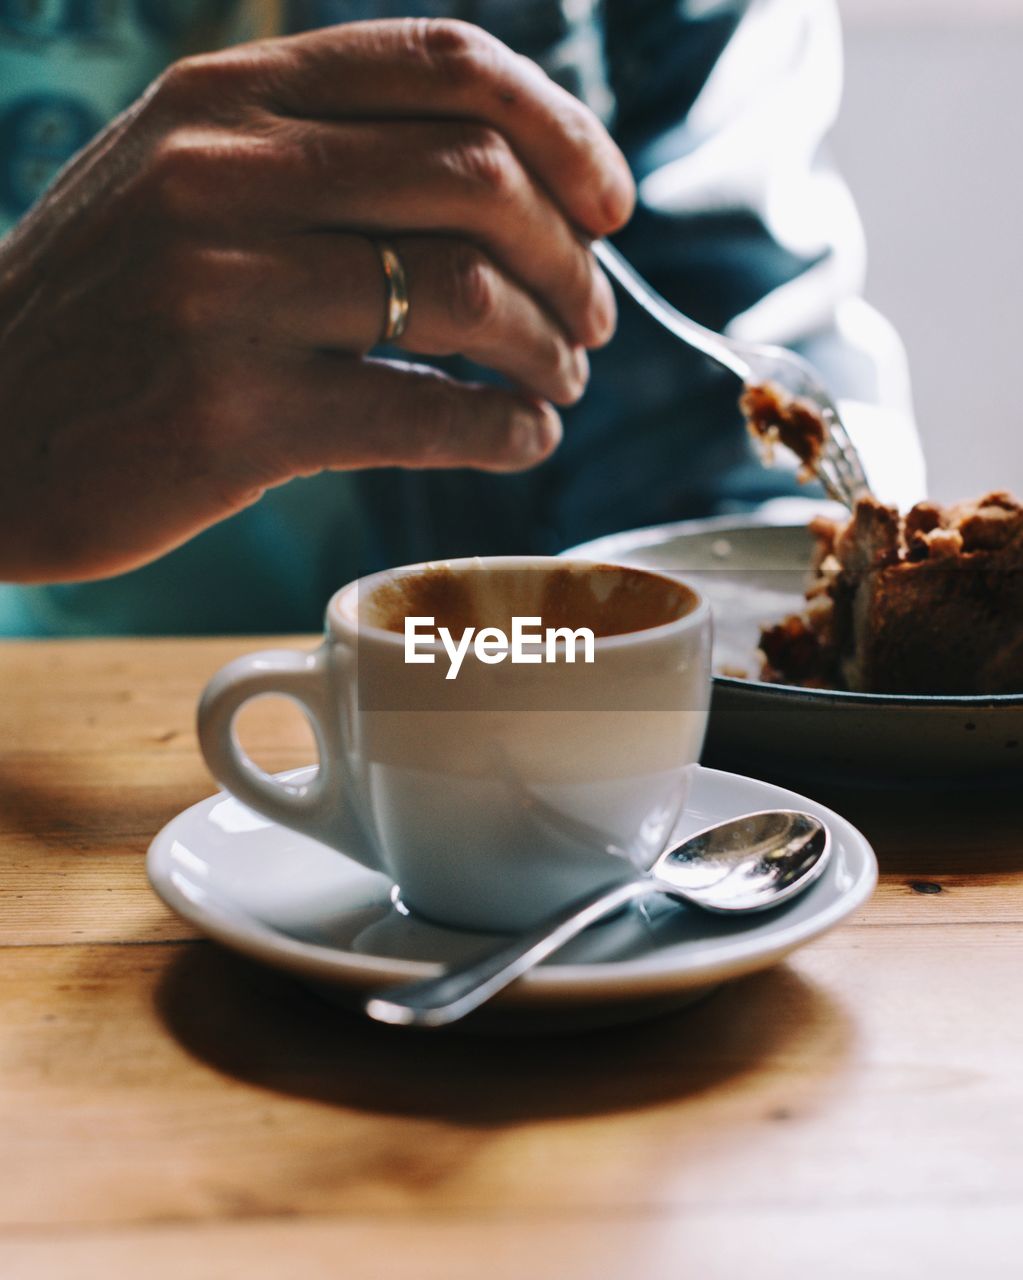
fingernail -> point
(618, 199)
(575, 373)
(606, 304)
(550, 432)
(580, 368)
(539, 433)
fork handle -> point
(688, 331)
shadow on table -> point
(267, 1030)
(934, 829)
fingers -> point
(444, 177)
(349, 413)
(445, 69)
(330, 293)
(470, 307)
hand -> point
(185, 317)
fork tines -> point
(840, 469)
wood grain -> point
(706, 1243)
(168, 1109)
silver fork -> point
(840, 469)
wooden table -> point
(170, 1110)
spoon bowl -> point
(742, 866)
(752, 863)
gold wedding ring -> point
(397, 292)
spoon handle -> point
(434, 1002)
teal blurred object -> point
(269, 569)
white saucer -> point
(292, 903)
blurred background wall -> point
(931, 141)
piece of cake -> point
(931, 603)
(775, 417)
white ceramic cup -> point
(492, 798)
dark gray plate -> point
(753, 570)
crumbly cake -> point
(775, 417)
(929, 603)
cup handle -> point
(320, 807)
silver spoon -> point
(747, 864)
